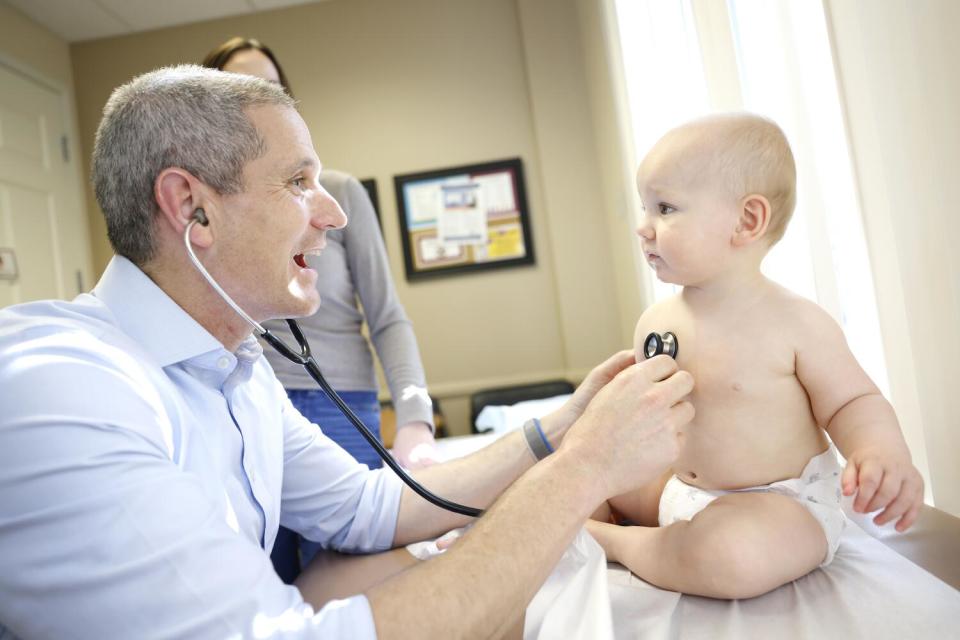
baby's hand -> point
(884, 481)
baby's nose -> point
(645, 229)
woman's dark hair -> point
(218, 58)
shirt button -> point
(223, 362)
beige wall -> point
(23, 40)
(616, 160)
(390, 87)
(898, 78)
(565, 141)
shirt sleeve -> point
(390, 329)
(329, 497)
(103, 535)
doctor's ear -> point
(753, 221)
(181, 198)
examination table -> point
(880, 585)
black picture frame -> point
(485, 203)
(370, 186)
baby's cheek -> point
(638, 353)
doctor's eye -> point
(299, 183)
(665, 208)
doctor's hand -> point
(557, 423)
(884, 479)
(414, 446)
(630, 431)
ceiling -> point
(76, 20)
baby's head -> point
(727, 179)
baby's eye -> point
(665, 208)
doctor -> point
(148, 453)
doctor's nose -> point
(327, 213)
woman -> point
(352, 268)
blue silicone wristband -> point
(543, 437)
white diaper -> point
(817, 489)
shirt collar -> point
(148, 315)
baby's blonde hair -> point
(748, 154)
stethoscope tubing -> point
(304, 358)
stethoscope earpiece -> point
(655, 344)
(200, 216)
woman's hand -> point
(414, 446)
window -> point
(770, 57)
(664, 78)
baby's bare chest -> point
(734, 363)
(753, 422)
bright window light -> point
(664, 81)
(785, 72)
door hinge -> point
(65, 148)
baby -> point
(753, 500)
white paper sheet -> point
(577, 587)
(868, 591)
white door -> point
(41, 211)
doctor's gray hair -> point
(185, 116)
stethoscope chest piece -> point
(655, 344)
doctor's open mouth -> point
(301, 258)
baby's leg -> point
(740, 546)
(640, 506)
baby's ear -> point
(754, 220)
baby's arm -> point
(848, 405)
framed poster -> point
(462, 219)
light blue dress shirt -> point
(144, 470)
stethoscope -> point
(655, 344)
(305, 358)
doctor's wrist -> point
(535, 435)
(555, 426)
